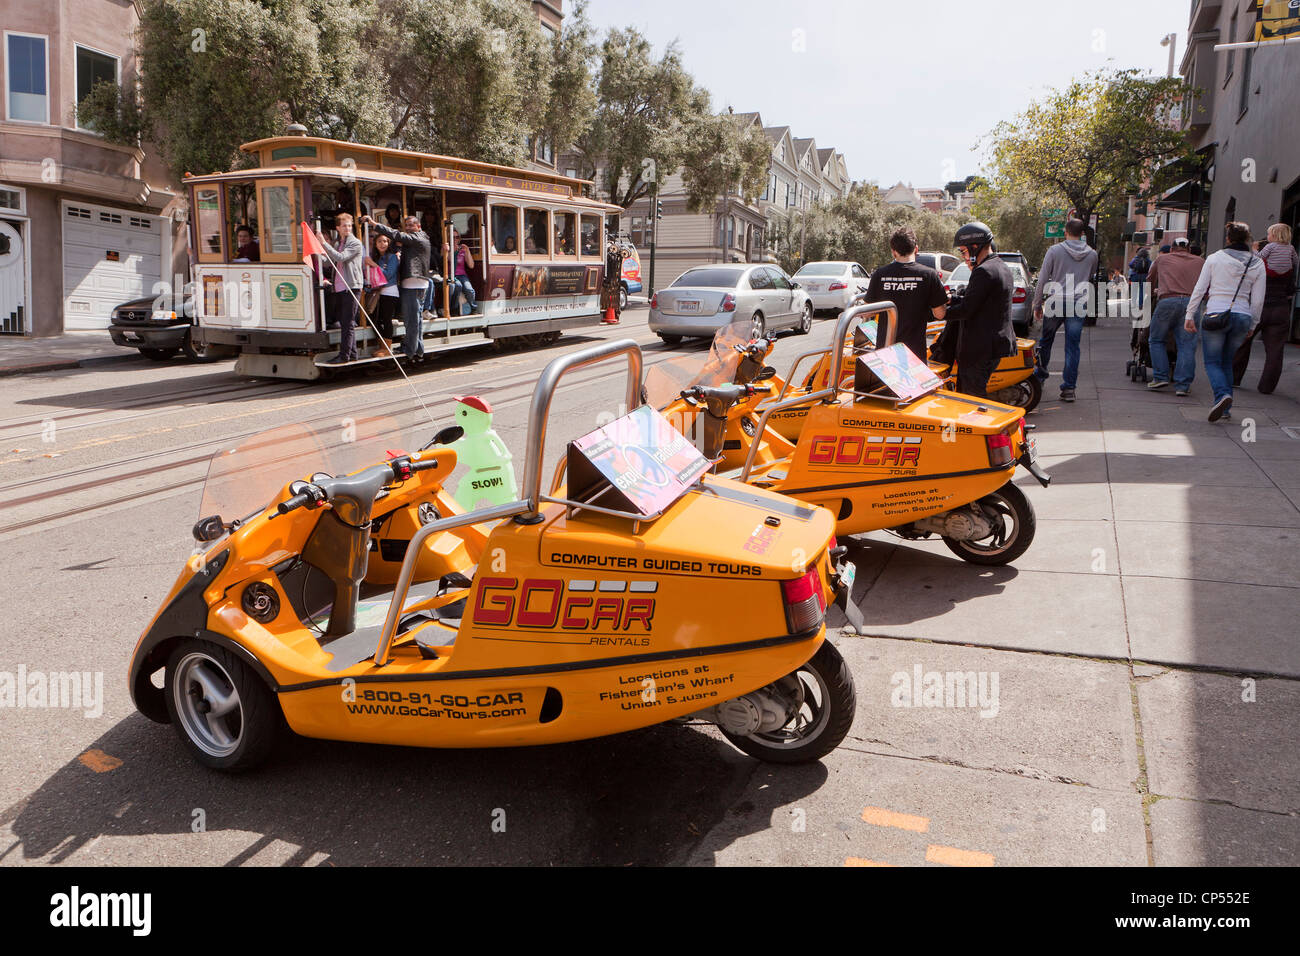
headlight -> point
(159, 316)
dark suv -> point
(157, 328)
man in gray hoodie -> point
(1062, 297)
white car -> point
(942, 262)
(832, 285)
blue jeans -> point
(1220, 348)
(1170, 313)
(463, 287)
(412, 326)
(1073, 336)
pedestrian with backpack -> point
(1138, 268)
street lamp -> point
(1171, 41)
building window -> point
(12, 199)
(1232, 54)
(93, 67)
(1247, 59)
(26, 78)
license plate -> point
(848, 573)
(688, 305)
(1031, 446)
(131, 337)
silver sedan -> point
(704, 299)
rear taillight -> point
(836, 286)
(1001, 451)
(804, 604)
(728, 303)
(1018, 295)
(654, 301)
(1027, 356)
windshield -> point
(822, 269)
(665, 382)
(960, 274)
(709, 279)
(244, 479)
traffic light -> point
(659, 208)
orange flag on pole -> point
(310, 245)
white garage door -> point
(109, 256)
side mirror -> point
(452, 433)
(209, 529)
(793, 284)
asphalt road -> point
(100, 474)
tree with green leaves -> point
(645, 109)
(468, 77)
(1016, 218)
(723, 155)
(218, 73)
(1092, 142)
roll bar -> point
(540, 410)
(836, 352)
(526, 509)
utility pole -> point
(1171, 41)
(654, 234)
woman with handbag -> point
(382, 267)
(1233, 278)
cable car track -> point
(526, 380)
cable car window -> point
(537, 232)
(505, 230)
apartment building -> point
(1242, 126)
(84, 224)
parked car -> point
(1017, 257)
(159, 333)
(630, 283)
(832, 285)
(941, 262)
(1021, 316)
(705, 298)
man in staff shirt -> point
(915, 288)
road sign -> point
(1053, 213)
(1054, 229)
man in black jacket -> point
(983, 314)
(412, 279)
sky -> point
(905, 89)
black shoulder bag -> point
(1218, 321)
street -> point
(1137, 668)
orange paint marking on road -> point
(951, 856)
(99, 761)
(859, 861)
(879, 816)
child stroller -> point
(1140, 344)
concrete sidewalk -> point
(1146, 643)
(1162, 538)
(22, 355)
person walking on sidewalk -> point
(983, 313)
(1172, 277)
(1281, 264)
(1061, 298)
(1234, 279)
(1138, 268)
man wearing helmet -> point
(984, 330)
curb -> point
(61, 365)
